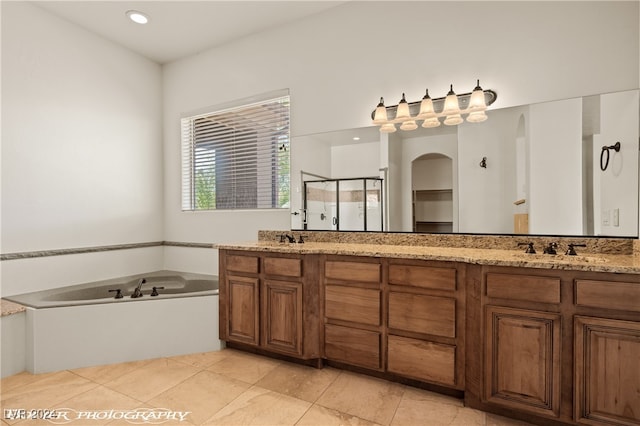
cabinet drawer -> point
(423, 276)
(422, 314)
(352, 346)
(283, 267)
(352, 271)
(524, 287)
(242, 264)
(608, 294)
(361, 305)
(433, 362)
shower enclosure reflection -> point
(352, 204)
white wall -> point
(355, 160)
(618, 123)
(487, 194)
(526, 51)
(555, 168)
(81, 150)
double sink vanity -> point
(548, 339)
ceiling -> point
(181, 28)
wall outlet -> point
(616, 217)
(606, 217)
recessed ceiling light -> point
(137, 16)
(356, 138)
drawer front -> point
(524, 287)
(283, 267)
(242, 264)
(432, 362)
(352, 346)
(423, 276)
(361, 305)
(352, 271)
(608, 294)
(422, 314)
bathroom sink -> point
(558, 258)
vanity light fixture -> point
(137, 16)
(452, 107)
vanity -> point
(546, 339)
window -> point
(237, 157)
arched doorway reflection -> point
(432, 192)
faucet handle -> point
(154, 292)
(551, 248)
(118, 293)
(529, 248)
(571, 249)
(301, 239)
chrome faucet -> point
(138, 292)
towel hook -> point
(604, 161)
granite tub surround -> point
(615, 255)
(10, 308)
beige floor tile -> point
(322, 416)
(46, 392)
(417, 394)
(421, 412)
(258, 406)
(141, 421)
(203, 359)
(106, 373)
(244, 366)
(152, 379)
(496, 420)
(366, 397)
(203, 395)
(299, 381)
(9, 383)
(92, 407)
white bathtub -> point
(78, 326)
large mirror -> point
(539, 169)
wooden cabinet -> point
(522, 347)
(242, 310)
(522, 359)
(270, 301)
(398, 316)
(425, 322)
(352, 311)
(607, 371)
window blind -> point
(237, 157)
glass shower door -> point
(321, 205)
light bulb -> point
(426, 107)
(388, 128)
(452, 120)
(408, 125)
(402, 112)
(477, 102)
(477, 117)
(451, 105)
(380, 117)
(431, 122)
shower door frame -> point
(364, 189)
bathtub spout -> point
(138, 292)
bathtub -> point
(85, 325)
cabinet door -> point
(522, 360)
(242, 309)
(607, 371)
(282, 316)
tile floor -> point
(231, 387)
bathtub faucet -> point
(138, 292)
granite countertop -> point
(10, 308)
(617, 263)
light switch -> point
(616, 217)
(605, 217)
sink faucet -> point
(138, 292)
(551, 249)
(571, 249)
